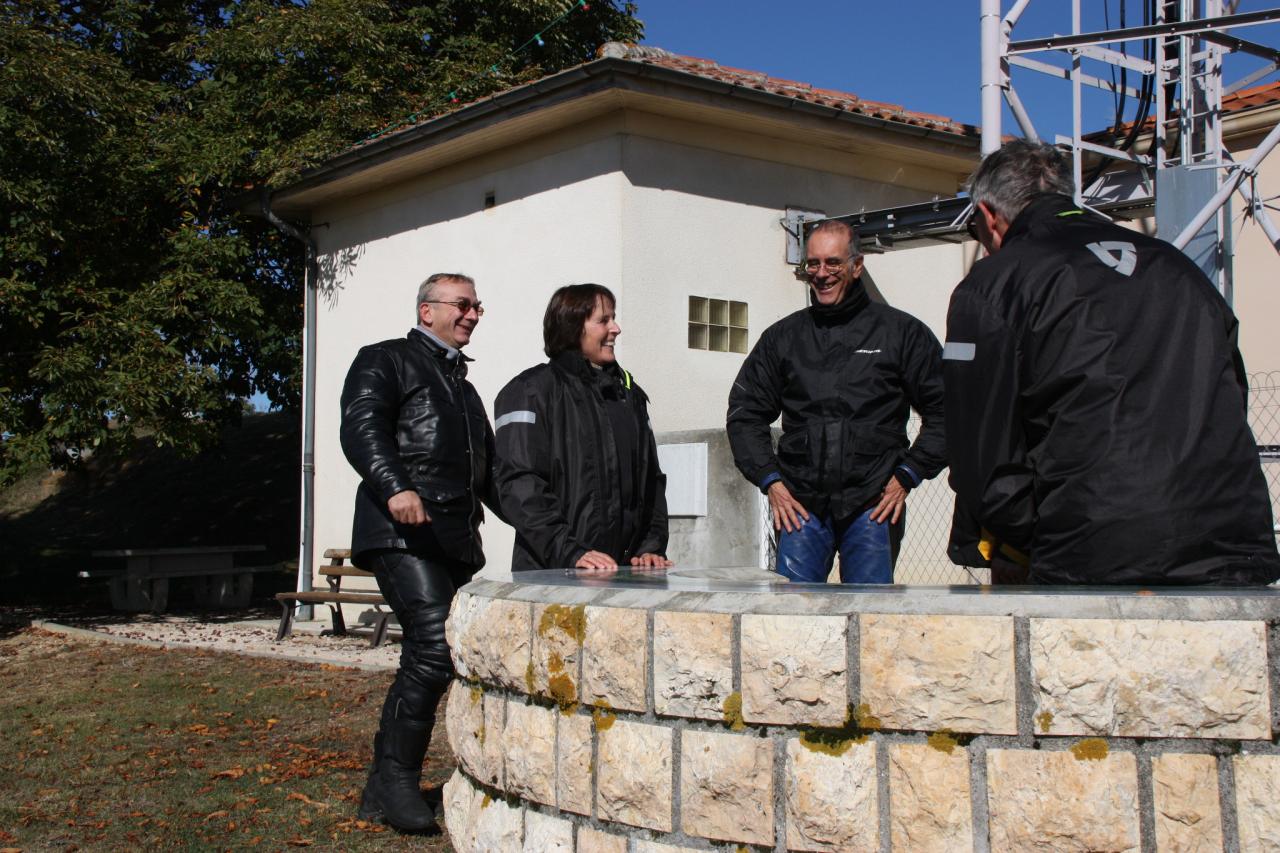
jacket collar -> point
(438, 350)
(855, 299)
(607, 378)
(1043, 207)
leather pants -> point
(419, 591)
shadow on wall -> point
(334, 268)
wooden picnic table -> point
(144, 582)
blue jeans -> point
(868, 549)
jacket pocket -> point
(793, 450)
(445, 497)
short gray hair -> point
(844, 229)
(1008, 177)
(427, 290)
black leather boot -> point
(393, 793)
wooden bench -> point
(333, 572)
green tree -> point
(133, 296)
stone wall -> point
(646, 717)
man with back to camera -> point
(843, 373)
(415, 430)
(1095, 399)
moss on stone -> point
(1090, 749)
(733, 712)
(603, 714)
(571, 620)
(836, 741)
(1045, 720)
(864, 719)
(943, 741)
(528, 677)
(563, 692)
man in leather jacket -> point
(1096, 400)
(843, 373)
(416, 431)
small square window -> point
(718, 325)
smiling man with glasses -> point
(416, 431)
(844, 374)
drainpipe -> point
(306, 549)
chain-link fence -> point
(1264, 419)
(923, 559)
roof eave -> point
(597, 75)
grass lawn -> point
(117, 747)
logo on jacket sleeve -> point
(1117, 254)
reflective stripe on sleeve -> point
(521, 417)
(958, 351)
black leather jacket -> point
(411, 420)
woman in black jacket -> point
(576, 462)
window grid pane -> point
(717, 325)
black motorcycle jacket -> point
(411, 420)
(558, 467)
(1096, 410)
(844, 379)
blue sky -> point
(922, 54)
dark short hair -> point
(567, 313)
(1010, 176)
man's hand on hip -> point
(892, 500)
(406, 508)
(788, 514)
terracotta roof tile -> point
(748, 79)
(1258, 96)
(779, 86)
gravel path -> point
(254, 637)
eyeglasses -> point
(972, 226)
(833, 264)
(463, 305)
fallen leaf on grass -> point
(299, 842)
(212, 815)
(232, 773)
(296, 795)
(271, 723)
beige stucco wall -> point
(638, 203)
(1257, 267)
